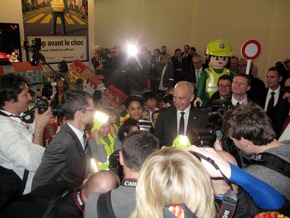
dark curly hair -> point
(10, 87)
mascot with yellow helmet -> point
(218, 54)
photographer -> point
(251, 131)
(122, 200)
(20, 142)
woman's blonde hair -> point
(169, 176)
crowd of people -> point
(157, 172)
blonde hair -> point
(169, 176)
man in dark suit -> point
(180, 65)
(165, 75)
(278, 108)
(155, 64)
(61, 199)
(168, 124)
(195, 70)
(67, 157)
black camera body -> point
(47, 89)
(42, 106)
(205, 137)
(114, 164)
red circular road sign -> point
(251, 49)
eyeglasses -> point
(224, 86)
(87, 110)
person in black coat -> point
(279, 111)
(167, 124)
(61, 199)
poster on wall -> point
(61, 26)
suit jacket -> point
(257, 85)
(36, 203)
(168, 76)
(166, 124)
(183, 65)
(280, 111)
(63, 160)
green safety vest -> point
(109, 150)
(213, 76)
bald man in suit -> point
(168, 122)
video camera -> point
(221, 105)
(34, 48)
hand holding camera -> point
(42, 119)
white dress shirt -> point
(276, 97)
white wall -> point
(154, 23)
(176, 23)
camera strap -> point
(230, 199)
(104, 203)
(79, 199)
(273, 162)
(129, 183)
(22, 118)
(228, 205)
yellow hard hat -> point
(220, 48)
(100, 118)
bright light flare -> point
(183, 140)
(132, 50)
(94, 165)
(101, 116)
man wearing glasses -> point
(224, 90)
(67, 157)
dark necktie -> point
(86, 144)
(238, 104)
(271, 102)
(181, 124)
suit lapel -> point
(172, 120)
(77, 142)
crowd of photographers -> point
(249, 166)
